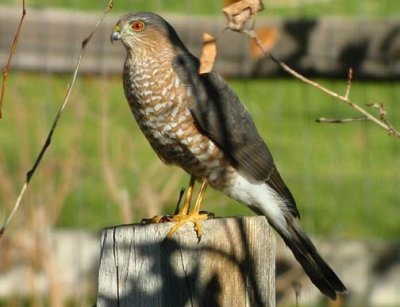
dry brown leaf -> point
(208, 54)
(240, 12)
(268, 37)
(228, 2)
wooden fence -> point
(51, 40)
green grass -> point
(340, 174)
(360, 8)
(345, 178)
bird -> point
(198, 123)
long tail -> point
(319, 272)
(276, 203)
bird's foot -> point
(181, 219)
(184, 214)
(194, 217)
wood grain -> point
(233, 265)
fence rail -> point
(51, 40)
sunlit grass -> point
(345, 178)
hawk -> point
(196, 121)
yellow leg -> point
(183, 211)
(188, 198)
(186, 215)
(200, 196)
(194, 216)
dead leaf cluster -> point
(238, 13)
(208, 54)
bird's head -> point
(144, 31)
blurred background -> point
(100, 171)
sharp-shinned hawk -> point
(196, 121)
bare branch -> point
(12, 51)
(381, 122)
(349, 80)
(382, 115)
(238, 13)
(47, 143)
(380, 108)
(340, 121)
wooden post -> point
(233, 265)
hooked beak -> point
(116, 35)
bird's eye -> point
(137, 26)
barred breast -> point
(160, 104)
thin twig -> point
(12, 51)
(349, 80)
(340, 121)
(381, 123)
(297, 290)
(47, 143)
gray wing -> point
(220, 115)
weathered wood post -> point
(233, 265)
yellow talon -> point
(185, 215)
(183, 219)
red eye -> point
(137, 26)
